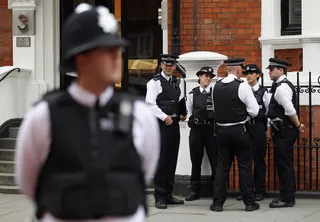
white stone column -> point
(41, 56)
(270, 18)
(192, 62)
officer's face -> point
(252, 77)
(168, 69)
(205, 79)
(104, 64)
(275, 73)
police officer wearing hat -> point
(285, 126)
(86, 153)
(234, 104)
(168, 105)
(259, 129)
(201, 123)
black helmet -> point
(88, 28)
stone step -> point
(6, 166)
(7, 143)
(7, 179)
(13, 132)
(7, 154)
(10, 190)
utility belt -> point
(247, 126)
(196, 122)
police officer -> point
(234, 102)
(168, 105)
(201, 123)
(285, 126)
(259, 140)
(85, 153)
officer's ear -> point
(258, 76)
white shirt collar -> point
(165, 76)
(255, 87)
(281, 78)
(230, 75)
(207, 88)
(87, 98)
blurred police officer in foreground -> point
(168, 105)
(285, 126)
(201, 123)
(85, 153)
(234, 103)
(259, 130)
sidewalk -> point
(16, 208)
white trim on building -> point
(309, 41)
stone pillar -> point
(40, 55)
(192, 62)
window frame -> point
(286, 27)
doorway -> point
(142, 30)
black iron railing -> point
(306, 149)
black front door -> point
(66, 9)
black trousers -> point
(234, 141)
(259, 143)
(165, 174)
(284, 161)
(201, 137)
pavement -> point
(17, 208)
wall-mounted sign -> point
(23, 42)
(23, 22)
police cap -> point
(88, 28)
(277, 63)
(206, 70)
(251, 68)
(234, 62)
(168, 59)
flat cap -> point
(206, 70)
(168, 59)
(277, 63)
(234, 62)
(250, 68)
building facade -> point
(253, 29)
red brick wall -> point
(5, 34)
(229, 27)
(292, 56)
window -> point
(290, 17)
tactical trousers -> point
(234, 141)
(165, 174)
(201, 137)
(284, 162)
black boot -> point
(193, 196)
(161, 204)
(278, 203)
(252, 207)
(240, 197)
(259, 196)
